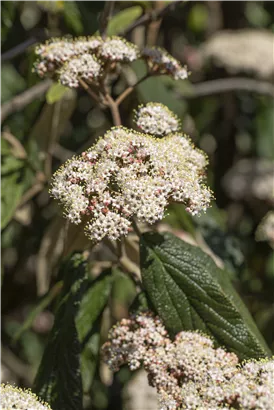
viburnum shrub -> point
(187, 327)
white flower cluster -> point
(128, 174)
(85, 66)
(188, 372)
(159, 61)
(64, 58)
(55, 53)
(117, 49)
(156, 119)
(15, 398)
(265, 230)
(84, 57)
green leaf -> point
(88, 324)
(198, 18)
(257, 15)
(55, 93)
(123, 19)
(12, 176)
(189, 292)
(58, 380)
(72, 16)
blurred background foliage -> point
(226, 107)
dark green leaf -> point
(140, 303)
(189, 292)
(88, 324)
(58, 380)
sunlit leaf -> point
(123, 19)
(189, 292)
(55, 93)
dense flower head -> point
(189, 373)
(66, 57)
(119, 50)
(157, 119)
(55, 53)
(15, 398)
(128, 174)
(85, 67)
(159, 61)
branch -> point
(129, 90)
(20, 101)
(20, 48)
(114, 109)
(93, 95)
(223, 85)
(147, 18)
(105, 17)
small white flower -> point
(15, 398)
(119, 50)
(128, 174)
(188, 372)
(156, 119)
(86, 67)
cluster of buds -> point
(15, 398)
(128, 174)
(189, 373)
(159, 61)
(91, 58)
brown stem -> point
(89, 90)
(114, 110)
(152, 16)
(20, 101)
(223, 85)
(105, 17)
(40, 36)
(129, 90)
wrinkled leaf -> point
(189, 292)
(123, 19)
(58, 380)
(55, 93)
